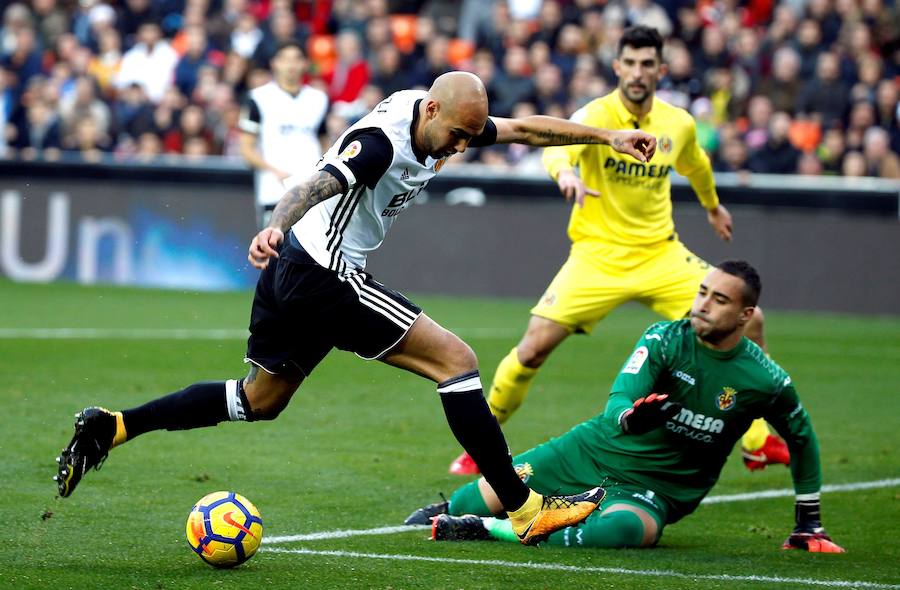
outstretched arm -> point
(792, 422)
(632, 407)
(292, 206)
(540, 130)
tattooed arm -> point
(540, 130)
(296, 202)
(292, 206)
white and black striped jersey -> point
(288, 128)
(381, 171)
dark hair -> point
(641, 36)
(745, 272)
(287, 43)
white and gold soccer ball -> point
(224, 529)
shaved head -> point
(461, 92)
(455, 111)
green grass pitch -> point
(362, 445)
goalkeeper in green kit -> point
(688, 392)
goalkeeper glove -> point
(809, 534)
(648, 413)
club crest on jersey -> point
(727, 398)
(350, 151)
(665, 144)
(524, 471)
(439, 164)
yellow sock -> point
(519, 519)
(756, 435)
(510, 386)
(120, 435)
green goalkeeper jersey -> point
(721, 392)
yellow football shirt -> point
(635, 203)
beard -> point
(636, 95)
(709, 332)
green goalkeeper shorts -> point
(547, 470)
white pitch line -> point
(592, 569)
(384, 530)
(761, 495)
(840, 487)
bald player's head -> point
(461, 91)
(454, 111)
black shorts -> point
(302, 310)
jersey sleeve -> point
(693, 163)
(789, 418)
(251, 117)
(487, 137)
(565, 157)
(363, 157)
(638, 375)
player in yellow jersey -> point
(624, 245)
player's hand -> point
(634, 142)
(720, 220)
(648, 413)
(809, 534)
(571, 186)
(263, 247)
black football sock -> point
(478, 432)
(196, 406)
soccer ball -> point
(224, 529)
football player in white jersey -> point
(314, 294)
(280, 125)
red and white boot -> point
(464, 465)
(774, 451)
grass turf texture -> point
(362, 445)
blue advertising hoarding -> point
(129, 233)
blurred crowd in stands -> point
(776, 86)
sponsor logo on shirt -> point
(636, 169)
(727, 398)
(400, 202)
(695, 426)
(351, 151)
(637, 360)
(684, 377)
